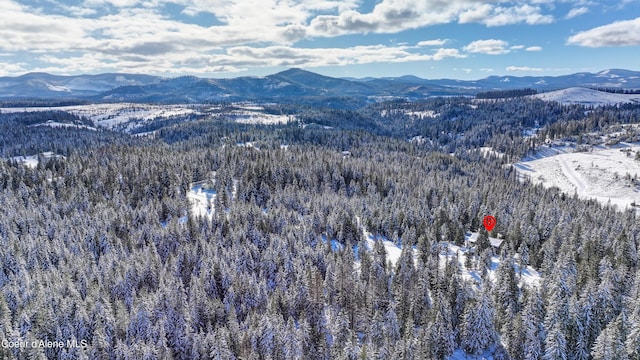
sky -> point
(460, 39)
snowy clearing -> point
(253, 114)
(202, 199)
(489, 151)
(111, 115)
(606, 173)
(471, 239)
(33, 160)
(528, 275)
(54, 124)
(585, 96)
(425, 114)
(459, 354)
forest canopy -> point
(102, 251)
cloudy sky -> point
(466, 39)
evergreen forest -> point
(103, 255)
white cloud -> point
(11, 68)
(575, 12)
(434, 42)
(136, 35)
(466, 70)
(116, 3)
(264, 13)
(388, 16)
(392, 16)
(523, 68)
(445, 53)
(489, 47)
(620, 33)
(239, 58)
(492, 15)
(312, 57)
(477, 14)
(534, 48)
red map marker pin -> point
(489, 222)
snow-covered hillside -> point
(608, 174)
(111, 115)
(585, 96)
(129, 116)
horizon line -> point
(309, 71)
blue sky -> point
(464, 39)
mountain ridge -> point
(290, 83)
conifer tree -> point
(478, 331)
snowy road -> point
(571, 174)
(605, 174)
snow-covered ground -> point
(419, 139)
(202, 200)
(425, 114)
(255, 114)
(471, 239)
(585, 96)
(600, 174)
(528, 275)
(202, 205)
(33, 160)
(54, 124)
(111, 115)
(248, 144)
(461, 355)
(202, 195)
(489, 151)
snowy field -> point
(111, 115)
(254, 114)
(585, 96)
(54, 124)
(488, 152)
(426, 114)
(606, 173)
(33, 160)
(202, 200)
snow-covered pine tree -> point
(610, 344)
(478, 330)
(555, 344)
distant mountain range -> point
(292, 83)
